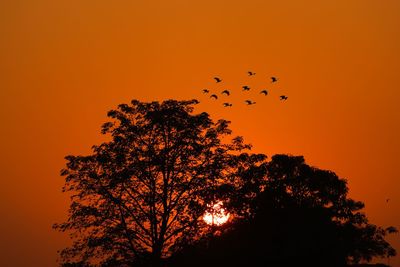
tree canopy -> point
(141, 196)
(299, 216)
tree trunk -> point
(156, 256)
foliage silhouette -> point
(140, 197)
(300, 216)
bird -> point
(391, 230)
(251, 73)
(206, 91)
(227, 105)
(214, 96)
(274, 79)
(283, 97)
(226, 92)
(217, 79)
(249, 102)
(265, 92)
(245, 88)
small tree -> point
(140, 196)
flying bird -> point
(214, 96)
(246, 88)
(391, 230)
(274, 79)
(249, 102)
(251, 73)
(226, 92)
(217, 79)
(227, 105)
(265, 92)
(206, 91)
(283, 97)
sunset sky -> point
(64, 64)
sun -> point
(217, 215)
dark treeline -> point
(138, 199)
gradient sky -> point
(64, 64)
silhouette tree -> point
(140, 196)
(293, 183)
(296, 215)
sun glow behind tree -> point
(217, 215)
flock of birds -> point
(248, 101)
(244, 88)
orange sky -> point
(64, 64)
